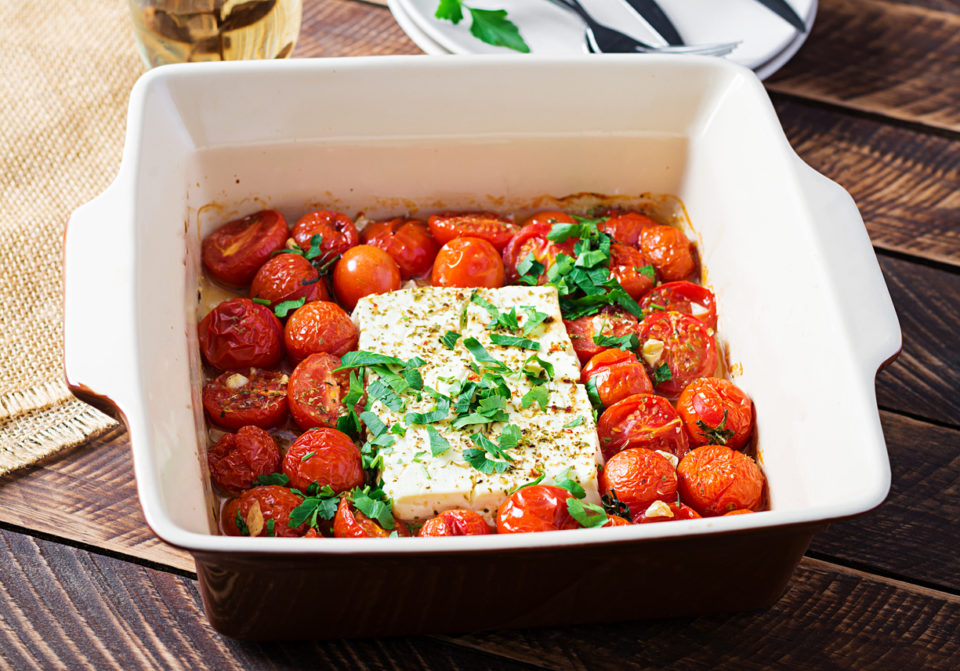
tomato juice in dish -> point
(469, 372)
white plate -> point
(550, 30)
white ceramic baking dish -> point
(802, 303)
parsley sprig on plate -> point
(487, 25)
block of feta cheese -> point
(556, 440)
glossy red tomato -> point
(532, 239)
(686, 297)
(639, 477)
(670, 252)
(642, 420)
(240, 333)
(739, 511)
(535, 508)
(351, 523)
(249, 396)
(315, 393)
(490, 226)
(337, 232)
(616, 374)
(408, 242)
(320, 326)
(717, 412)
(610, 321)
(689, 350)
(626, 267)
(288, 277)
(361, 271)
(254, 510)
(626, 227)
(233, 253)
(715, 480)
(238, 458)
(325, 456)
(662, 512)
(458, 522)
(616, 521)
(467, 262)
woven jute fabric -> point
(66, 70)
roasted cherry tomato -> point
(408, 242)
(315, 393)
(626, 227)
(610, 321)
(739, 511)
(532, 239)
(233, 253)
(361, 271)
(632, 270)
(616, 374)
(253, 512)
(458, 522)
(467, 262)
(351, 523)
(288, 277)
(716, 412)
(642, 420)
(659, 511)
(715, 480)
(325, 456)
(669, 250)
(336, 230)
(639, 477)
(616, 521)
(320, 326)
(240, 333)
(688, 352)
(535, 508)
(686, 297)
(248, 396)
(490, 226)
(238, 458)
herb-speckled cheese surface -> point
(410, 323)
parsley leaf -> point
(437, 414)
(374, 504)
(273, 479)
(355, 393)
(315, 240)
(307, 456)
(286, 307)
(349, 424)
(538, 394)
(261, 301)
(530, 270)
(662, 374)
(527, 484)
(576, 421)
(493, 27)
(483, 356)
(534, 319)
(323, 504)
(513, 341)
(383, 393)
(625, 342)
(438, 444)
(361, 358)
(587, 514)
(374, 425)
(450, 339)
(538, 377)
(647, 271)
(564, 480)
(450, 10)
(241, 524)
(593, 394)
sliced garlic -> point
(696, 310)
(657, 509)
(292, 244)
(284, 379)
(236, 381)
(255, 519)
(651, 351)
(672, 458)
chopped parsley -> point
(286, 307)
(593, 394)
(662, 374)
(487, 25)
(564, 480)
(484, 357)
(527, 484)
(307, 456)
(261, 301)
(530, 270)
(438, 444)
(322, 503)
(450, 339)
(538, 394)
(375, 504)
(576, 421)
(273, 479)
(587, 514)
(513, 341)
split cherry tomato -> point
(248, 396)
(408, 242)
(532, 239)
(616, 375)
(686, 297)
(315, 393)
(616, 521)
(240, 333)
(458, 522)
(663, 512)
(467, 262)
(337, 232)
(233, 253)
(490, 226)
(626, 227)
(325, 456)
(240, 516)
(238, 458)
(351, 523)
(535, 508)
(716, 412)
(630, 268)
(288, 277)
(642, 420)
(639, 477)
(689, 350)
(361, 271)
(715, 480)
(320, 326)
(611, 321)
(669, 250)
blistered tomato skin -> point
(288, 277)
(233, 253)
(626, 227)
(715, 480)
(670, 252)
(237, 459)
(642, 420)
(467, 262)
(275, 503)
(611, 321)
(239, 333)
(639, 477)
(617, 374)
(532, 239)
(681, 297)
(675, 511)
(325, 456)
(458, 522)
(535, 508)
(315, 392)
(625, 267)
(689, 350)
(361, 271)
(248, 396)
(490, 226)
(409, 243)
(351, 523)
(336, 230)
(616, 521)
(320, 326)
(716, 411)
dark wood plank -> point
(906, 183)
(61, 607)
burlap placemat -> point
(66, 69)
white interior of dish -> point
(390, 135)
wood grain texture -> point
(350, 28)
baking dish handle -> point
(99, 309)
(865, 302)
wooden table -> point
(872, 101)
